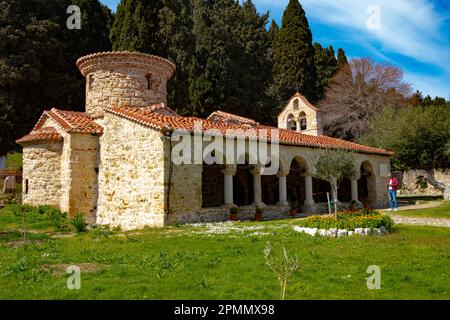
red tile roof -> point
(69, 121)
(286, 137)
(231, 118)
(41, 134)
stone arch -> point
(213, 180)
(295, 181)
(270, 183)
(291, 124)
(243, 194)
(367, 190)
(295, 104)
(303, 122)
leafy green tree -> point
(420, 138)
(294, 56)
(37, 60)
(334, 166)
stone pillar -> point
(228, 172)
(309, 204)
(282, 188)
(354, 190)
(257, 198)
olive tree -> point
(334, 166)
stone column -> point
(309, 204)
(282, 188)
(354, 190)
(256, 172)
(228, 172)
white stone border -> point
(334, 232)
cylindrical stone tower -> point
(124, 78)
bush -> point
(79, 222)
(58, 218)
(365, 218)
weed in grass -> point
(283, 267)
(79, 222)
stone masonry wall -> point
(41, 169)
(80, 175)
(105, 88)
(131, 175)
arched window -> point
(303, 123)
(291, 124)
(296, 104)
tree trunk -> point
(438, 184)
(334, 191)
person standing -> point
(392, 186)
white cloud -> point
(408, 27)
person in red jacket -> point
(392, 185)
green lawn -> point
(202, 263)
(443, 211)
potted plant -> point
(258, 213)
(293, 207)
(234, 214)
(352, 206)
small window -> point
(303, 123)
(89, 81)
(296, 104)
(26, 186)
(149, 81)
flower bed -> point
(360, 219)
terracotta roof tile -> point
(287, 137)
(231, 118)
(71, 121)
(41, 134)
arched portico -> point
(366, 183)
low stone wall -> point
(413, 182)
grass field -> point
(224, 261)
(443, 211)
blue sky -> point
(411, 34)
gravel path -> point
(419, 221)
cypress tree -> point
(326, 67)
(294, 55)
(136, 26)
(232, 60)
(341, 59)
(273, 33)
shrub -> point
(58, 218)
(79, 222)
(365, 218)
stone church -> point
(114, 163)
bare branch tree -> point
(357, 93)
